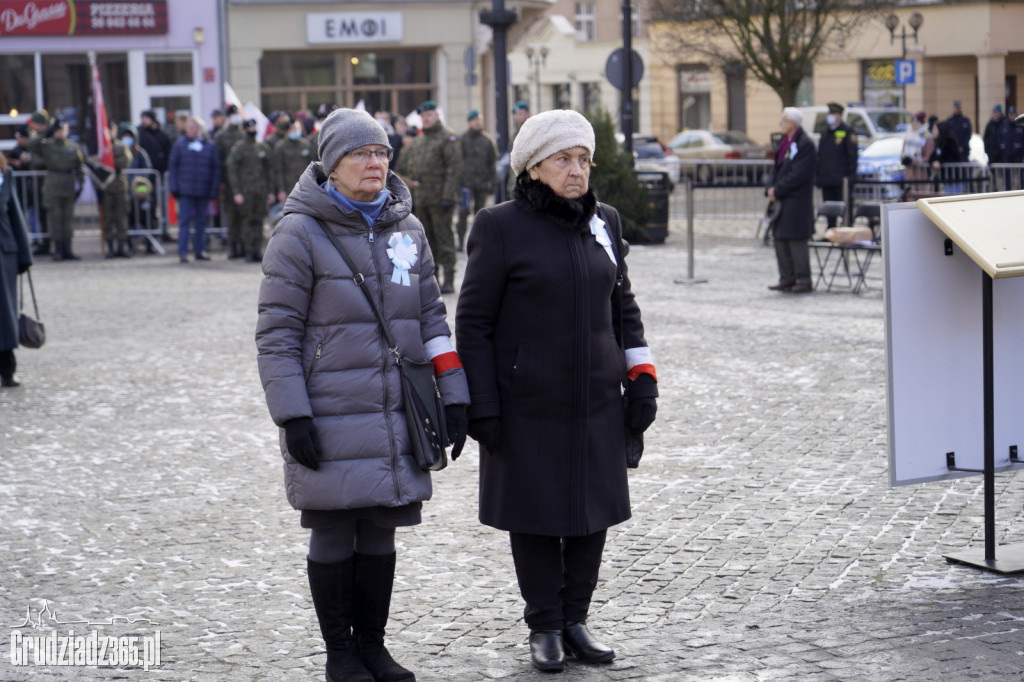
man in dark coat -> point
(961, 128)
(837, 159)
(792, 186)
(154, 141)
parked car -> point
(705, 145)
(650, 153)
(882, 161)
(870, 123)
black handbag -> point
(634, 441)
(424, 411)
(31, 332)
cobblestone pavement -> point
(140, 479)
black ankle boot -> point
(121, 253)
(547, 652)
(58, 250)
(331, 587)
(110, 249)
(42, 248)
(8, 363)
(68, 253)
(580, 643)
(374, 578)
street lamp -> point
(537, 57)
(891, 22)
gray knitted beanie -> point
(345, 130)
(547, 133)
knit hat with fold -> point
(547, 133)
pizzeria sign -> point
(82, 17)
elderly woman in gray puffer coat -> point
(334, 388)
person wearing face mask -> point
(282, 121)
(250, 169)
(291, 156)
(837, 159)
(141, 206)
(115, 202)
(230, 135)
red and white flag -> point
(104, 145)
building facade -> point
(560, 62)
(384, 54)
(967, 51)
(151, 54)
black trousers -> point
(833, 193)
(794, 261)
(557, 576)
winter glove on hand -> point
(23, 268)
(303, 442)
(643, 404)
(456, 422)
(486, 432)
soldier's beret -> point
(429, 105)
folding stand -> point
(994, 253)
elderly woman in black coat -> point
(15, 258)
(538, 330)
(792, 187)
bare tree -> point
(777, 41)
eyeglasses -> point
(363, 155)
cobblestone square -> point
(140, 478)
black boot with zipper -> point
(374, 579)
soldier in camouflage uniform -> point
(479, 154)
(225, 140)
(115, 203)
(63, 161)
(292, 156)
(282, 122)
(251, 175)
(434, 165)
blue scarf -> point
(369, 209)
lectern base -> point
(1009, 558)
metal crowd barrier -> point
(147, 214)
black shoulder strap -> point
(361, 281)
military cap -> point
(230, 110)
(217, 112)
(835, 108)
(41, 117)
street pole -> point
(627, 79)
(499, 19)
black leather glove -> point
(456, 421)
(23, 268)
(643, 403)
(303, 442)
(486, 431)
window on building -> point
(17, 83)
(591, 96)
(168, 69)
(586, 21)
(395, 80)
(67, 91)
(561, 95)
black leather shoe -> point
(546, 650)
(9, 382)
(202, 255)
(781, 287)
(801, 289)
(581, 644)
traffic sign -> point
(904, 71)
(613, 68)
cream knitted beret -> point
(549, 132)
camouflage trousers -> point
(251, 214)
(115, 210)
(437, 223)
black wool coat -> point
(536, 329)
(15, 256)
(793, 180)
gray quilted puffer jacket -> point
(323, 355)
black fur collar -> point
(538, 200)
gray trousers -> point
(794, 261)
